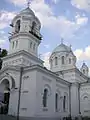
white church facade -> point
(31, 90)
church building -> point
(29, 89)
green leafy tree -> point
(3, 53)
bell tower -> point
(24, 40)
(25, 33)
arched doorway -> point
(4, 96)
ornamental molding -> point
(7, 76)
(11, 62)
(83, 89)
(24, 54)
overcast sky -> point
(67, 19)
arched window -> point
(33, 26)
(69, 60)
(12, 44)
(30, 44)
(34, 47)
(56, 101)
(64, 103)
(62, 59)
(51, 63)
(45, 95)
(17, 26)
(83, 71)
(56, 61)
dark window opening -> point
(69, 60)
(62, 59)
(56, 61)
(64, 103)
(45, 95)
(17, 26)
(56, 101)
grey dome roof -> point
(84, 65)
(62, 48)
(27, 11)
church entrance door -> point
(4, 96)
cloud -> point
(2, 32)
(81, 4)
(83, 54)
(45, 58)
(2, 41)
(47, 46)
(19, 3)
(5, 18)
(55, 1)
(57, 24)
(81, 20)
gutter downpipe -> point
(70, 100)
(19, 95)
(79, 97)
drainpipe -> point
(79, 97)
(70, 99)
(19, 95)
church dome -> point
(62, 48)
(62, 58)
(27, 11)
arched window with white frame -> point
(56, 60)
(34, 46)
(65, 102)
(51, 62)
(83, 71)
(30, 44)
(56, 101)
(17, 26)
(45, 96)
(46, 99)
(33, 26)
(69, 60)
(12, 44)
(63, 59)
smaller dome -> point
(84, 65)
(27, 11)
(62, 48)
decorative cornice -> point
(77, 71)
(25, 34)
(36, 67)
(12, 68)
(23, 52)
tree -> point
(3, 53)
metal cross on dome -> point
(28, 2)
